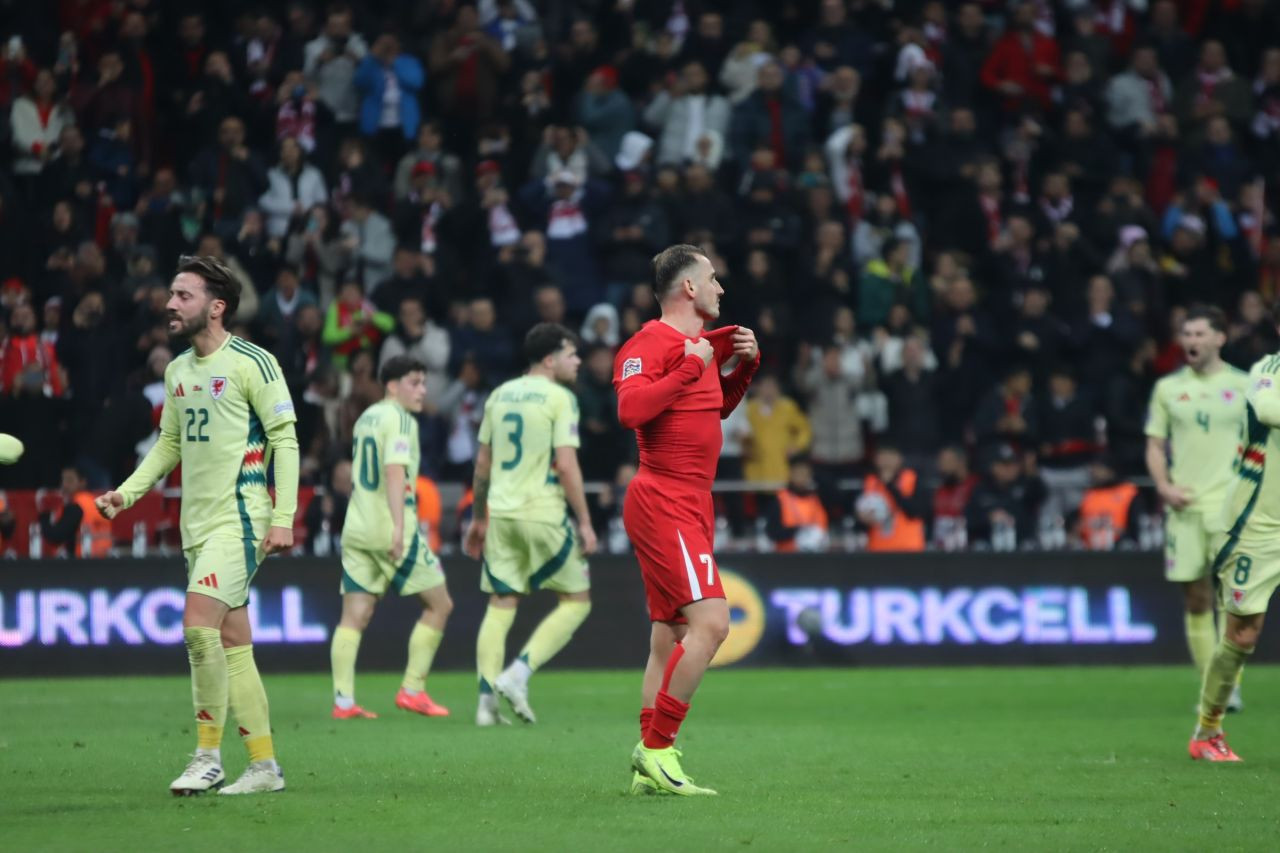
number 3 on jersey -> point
(517, 432)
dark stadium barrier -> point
(118, 616)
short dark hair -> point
(398, 367)
(1216, 316)
(545, 339)
(219, 280)
(670, 263)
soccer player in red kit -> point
(675, 383)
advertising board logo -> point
(746, 619)
(991, 615)
(136, 616)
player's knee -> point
(1199, 604)
(1243, 635)
(442, 606)
(1198, 597)
(721, 632)
(356, 621)
(715, 628)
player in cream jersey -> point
(227, 414)
(1248, 561)
(1195, 426)
(526, 468)
(381, 546)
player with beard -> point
(675, 383)
(1248, 557)
(227, 413)
(1195, 426)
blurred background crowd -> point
(965, 233)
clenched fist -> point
(701, 348)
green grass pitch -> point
(811, 759)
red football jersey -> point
(674, 402)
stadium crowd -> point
(964, 233)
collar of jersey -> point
(203, 358)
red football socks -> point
(668, 713)
(659, 724)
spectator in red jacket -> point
(951, 498)
(1023, 65)
(29, 364)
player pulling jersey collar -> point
(669, 395)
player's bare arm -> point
(570, 473)
(473, 544)
(395, 475)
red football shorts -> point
(671, 529)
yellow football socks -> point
(342, 658)
(1219, 679)
(491, 644)
(554, 632)
(1201, 638)
(423, 643)
(208, 684)
(248, 702)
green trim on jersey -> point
(406, 565)
(255, 475)
(257, 437)
(556, 563)
(499, 588)
(1251, 472)
(349, 584)
(259, 356)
